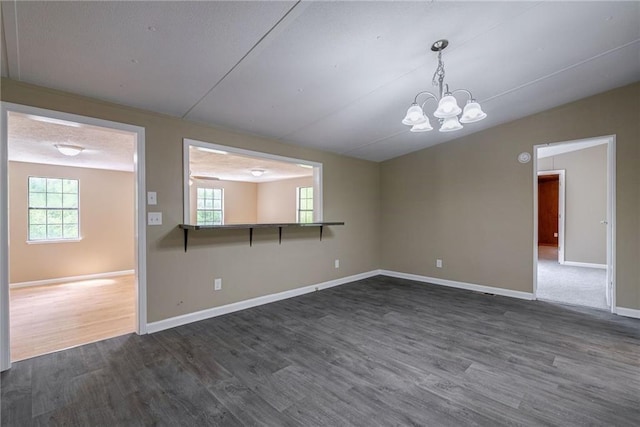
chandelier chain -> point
(438, 75)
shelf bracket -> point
(251, 236)
(321, 227)
(279, 235)
(186, 238)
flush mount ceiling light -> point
(68, 149)
(257, 172)
(448, 110)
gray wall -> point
(585, 202)
(470, 202)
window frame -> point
(221, 210)
(299, 198)
(46, 240)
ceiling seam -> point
(15, 17)
(264, 36)
(569, 67)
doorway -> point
(574, 222)
(58, 191)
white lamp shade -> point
(450, 124)
(415, 116)
(69, 150)
(422, 127)
(257, 172)
(472, 113)
(447, 107)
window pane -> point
(70, 186)
(37, 184)
(70, 217)
(208, 204)
(37, 232)
(200, 217)
(200, 192)
(54, 200)
(70, 231)
(37, 217)
(54, 232)
(54, 185)
(200, 204)
(217, 193)
(217, 217)
(70, 200)
(217, 204)
(208, 193)
(54, 217)
(37, 200)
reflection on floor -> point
(571, 285)
(49, 318)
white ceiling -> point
(33, 140)
(335, 76)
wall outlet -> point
(152, 198)
(154, 218)
(439, 263)
(336, 263)
(217, 284)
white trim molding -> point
(208, 313)
(460, 285)
(584, 264)
(628, 312)
(71, 279)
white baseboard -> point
(254, 302)
(584, 264)
(460, 285)
(71, 279)
(628, 312)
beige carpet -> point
(571, 285)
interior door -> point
(548, 197)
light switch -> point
(152, 198)
(154, 218)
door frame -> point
(610, 140)
(140, 238)
(561, 209)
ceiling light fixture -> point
(448, 109)
(257, 172)
(69, 150)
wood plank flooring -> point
(55, 317)
(380, 351)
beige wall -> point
(179, 282)
(470, 202)
(277, 199)
(240, 200)
(106, 225)
(585, 202)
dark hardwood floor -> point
(380, 351)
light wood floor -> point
(55, 317)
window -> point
(209, 206)
(305, 204)
(53, 209)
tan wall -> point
(106, 225)
(277, 199)
(585, 202)
(179, 282)
(470, 202)
(240, 200)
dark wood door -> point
(548, 192)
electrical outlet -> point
(217, 284)
(439, 263)
(336, 264)
(152, 198)
(154, 218)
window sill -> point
(46, 242)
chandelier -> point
(448, 110)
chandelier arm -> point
(465, 91)
(431, 95)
